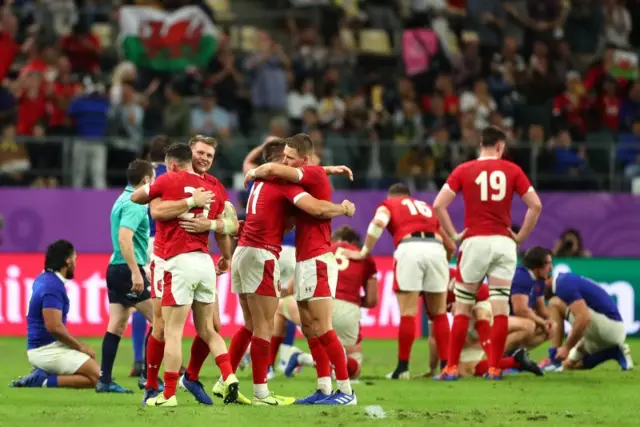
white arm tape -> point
(364, 251)
(374, 230)
(147, 188)
(299, 196)
(300, 175)
(191, 202)
(382, 216)
(229, 210)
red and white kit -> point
(420, 260)
(352, 279)
(487, 185)
(254, 267)
(189, 270)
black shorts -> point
(119, 286)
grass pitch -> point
(603, 397)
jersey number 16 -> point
(418, 207)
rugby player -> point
(597, 334)
(127, 283)
(59, 359)
(354, 277)
(489, 247)
(478, 341)
(256, 274)
(190, 276)
(316, 272)
(421, 266)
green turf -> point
(603, 397)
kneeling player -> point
(598, 333)
(353, 276)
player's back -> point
(487, 186)
(571, 287)
(313, 235)
(352, 275)
(408, 216)
(178, 186)
(266, 217)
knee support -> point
(464, 296)
(499, 294)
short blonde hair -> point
(212, 142)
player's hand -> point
(548, 326)
(349, 208)
(250, 176)
(86, 349)
(340, 170)
(202, 197)
(353, 255)
(562, 353)
(222, 266)
(137, 282)
(459, 236)
(516, 238)
(195, 225)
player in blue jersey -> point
(139, 334)
(598, 333)
(59, 359)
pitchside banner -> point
(609, 224)
(88, 313)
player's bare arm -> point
(225, 244)
(323, 209)
(520, 304)
(541, 308)
(225, 223)
(53, 323)
(374, 231)
(252, 160)
(534, 208)
(273, 170)
(449, 244)
(125, 241)
(370, 298)
(444, 198)
(338, 170)
(582, 318)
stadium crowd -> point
(391, 88)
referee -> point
(127, 284)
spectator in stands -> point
(609, 104)
(584, 27)
(415, 166)
(55, 18)
(570, 245)
(468, 68)
(32, 103)
(569, 162)
(300, 99)
(9, 48)
(570, 107)
(545, 20)
(176, 116)
(83, 47)
(437, 118)
(331, 109)
(630, 108)
(478, 102)
(89, 115)
(42, 57)
(268, 69)
(628, 152)
(14, 158)
(209, 119)
(63, 90)
(617, 23)
(486, 18)
(125, 130)
(407, 124)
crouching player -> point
(598, 333)
(353, 277)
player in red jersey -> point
(316, 272)
(421, 266)
(255, 271)
(478, 339)
(353, 278)
(489, 247)
(189, 278)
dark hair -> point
(302, 143)
(179, 151)
(347, 234)
(57, 255)
(536, 257)
(272, 150)
(137, 170)
(491, 136)
(157, 148)
(399, 189)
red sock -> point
(199, 353)
(170, 383)
(483, 328)
(352, 367)
(481, 368)
(320, 356)
(273, 350)
(505, 363)
(238, 347)
(224, 363)
(259, 359)
(459, 331)
(441, 335)
(406, 336)
(336, 353)
(499, 333)
(155, 354)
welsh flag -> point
(167, 41)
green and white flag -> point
(167, 41)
